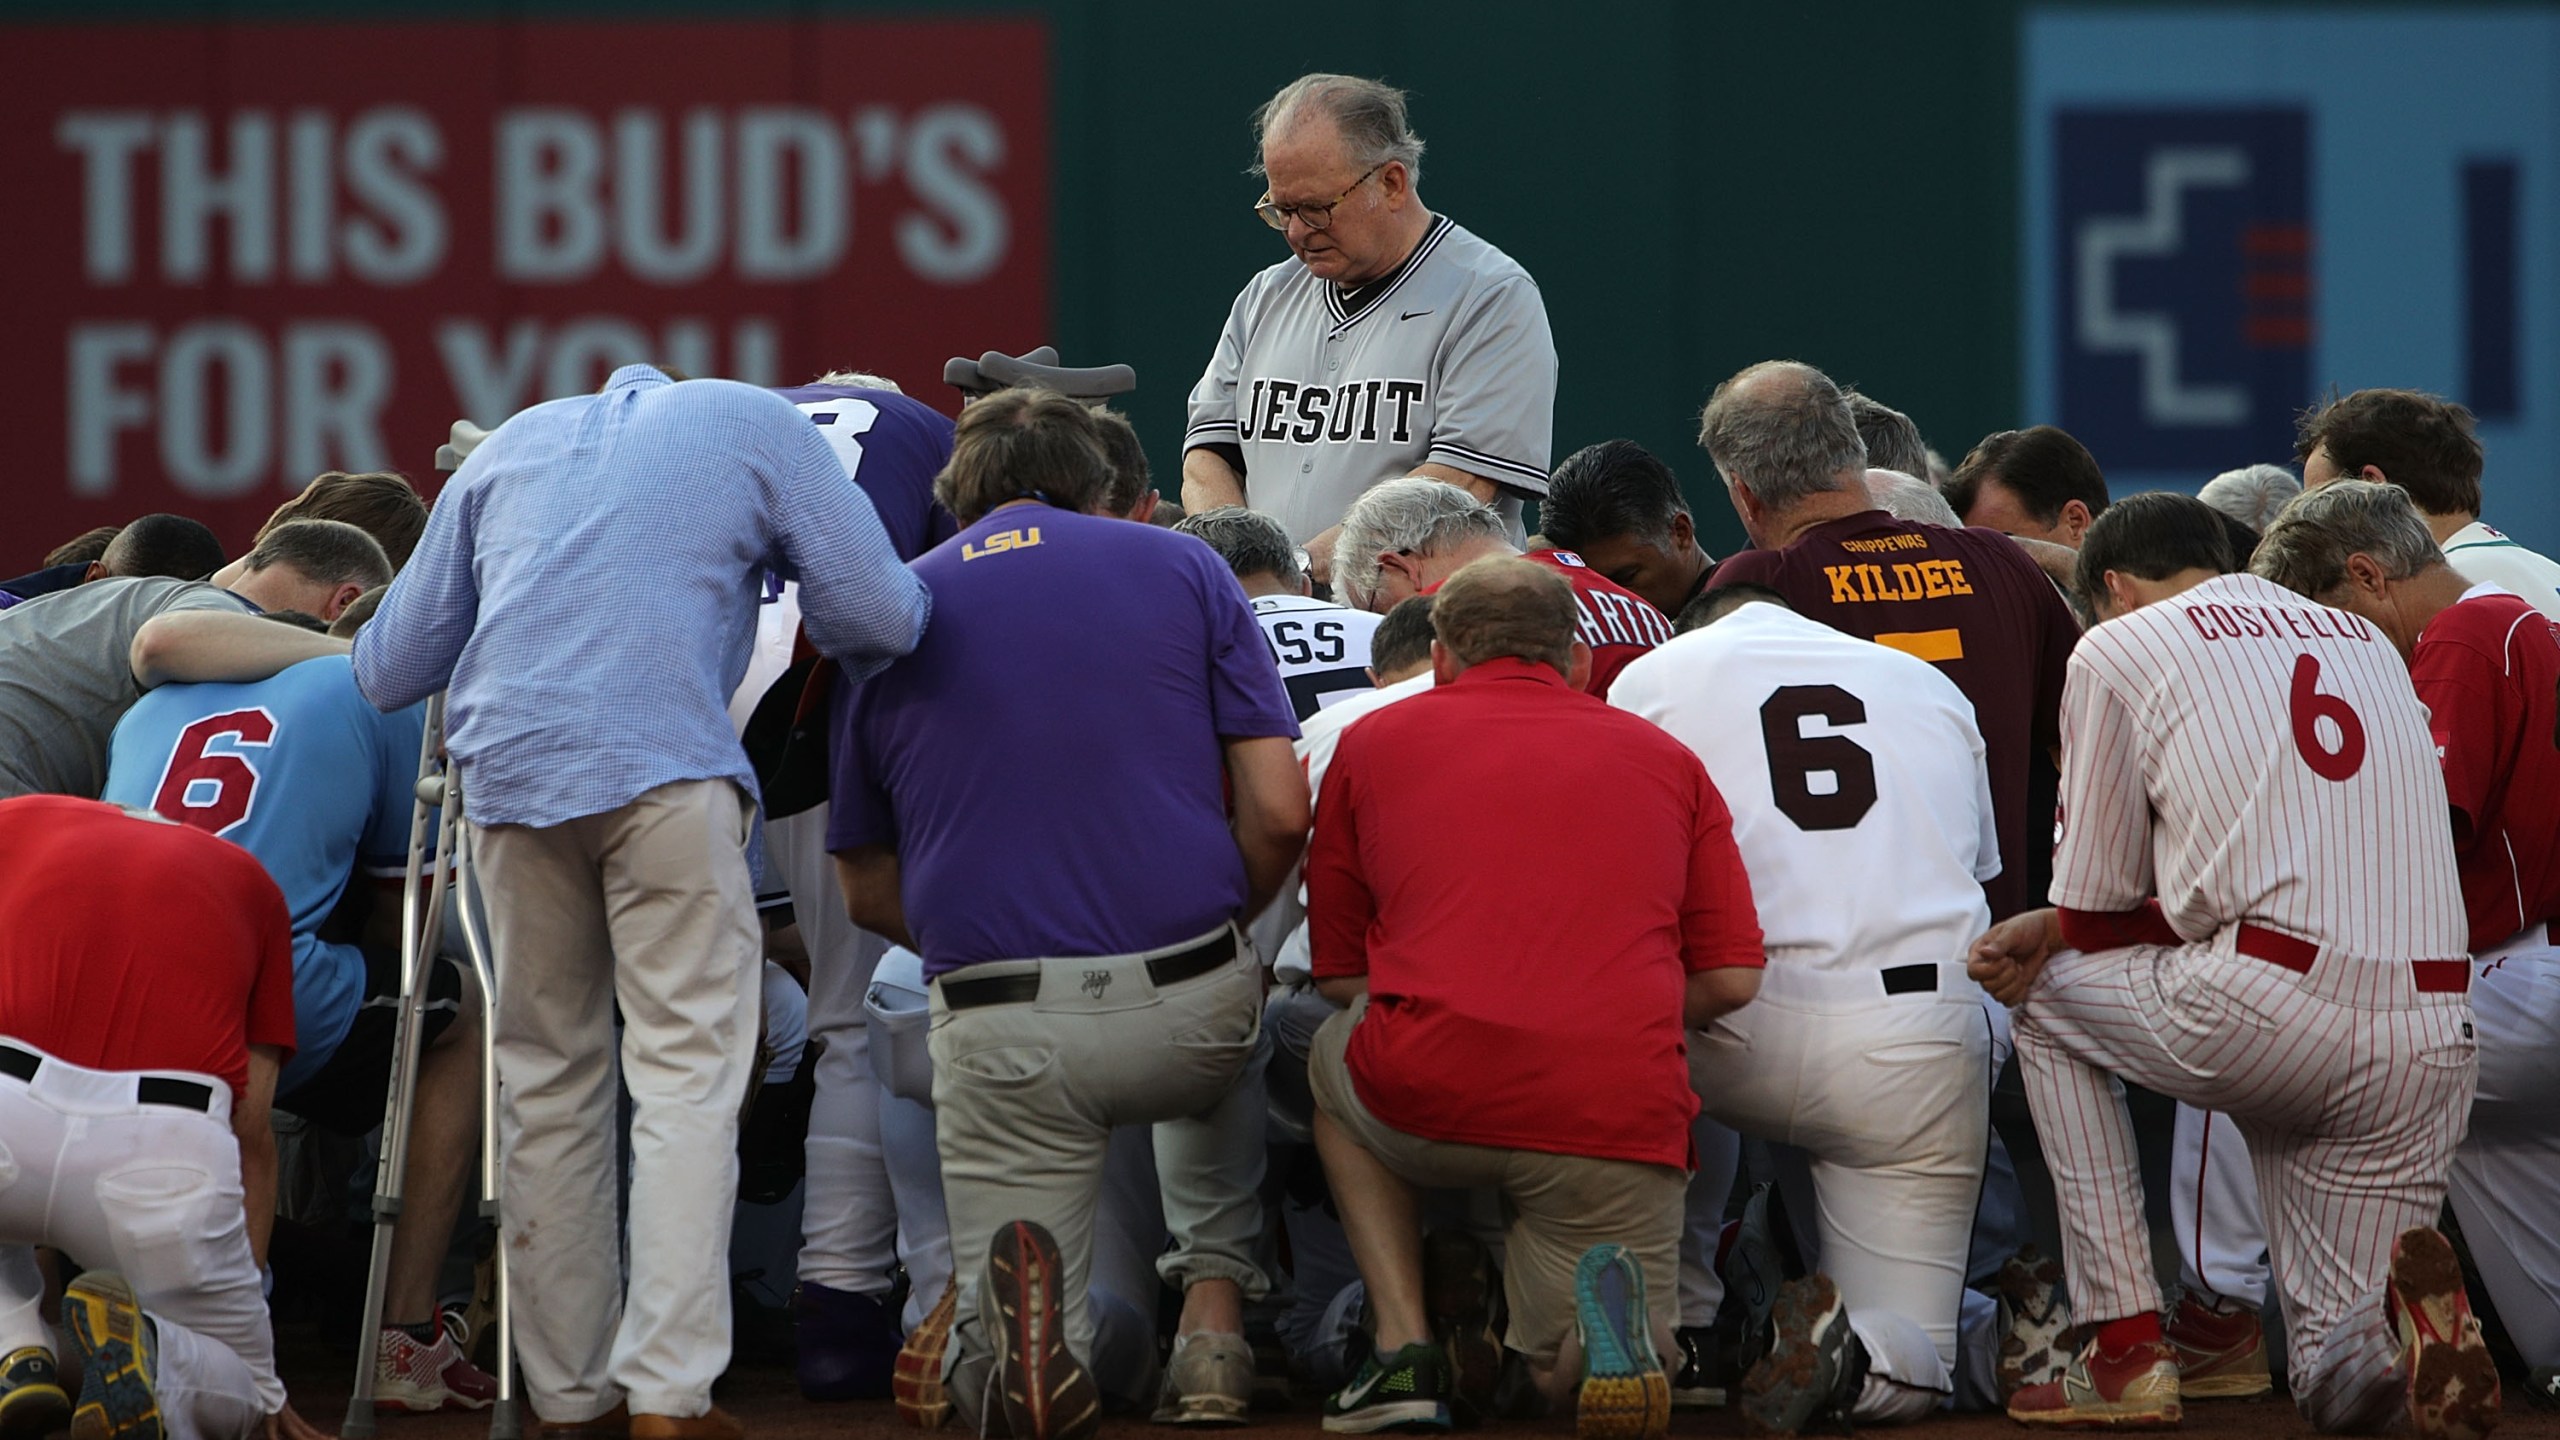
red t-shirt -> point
(1969, 602)
(1527, 947)
(2488, 669)
(137, 944)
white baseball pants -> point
(2350, 1086)
(649, 905)
(152, 1192)
(874, 1196)
(1889, 1099)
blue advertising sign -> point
(2230, 212)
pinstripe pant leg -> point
(2087, 1133)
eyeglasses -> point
(1318, 215)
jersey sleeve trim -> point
(1510, 472)
(1211, 432)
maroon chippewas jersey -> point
(1969, 602)
(2488, 669)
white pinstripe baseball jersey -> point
(2487, 557)
(2246, 754)
(1445, 360)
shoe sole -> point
(1204, 1411)
(402, 1399)
(2103, 1417)
(116, 1399)
(915, 1381)
(2032, 1323)
(2453, 1383)
(1457, 1303)
(2225, 1387)
(32, 1412)
(1809, 1342)
(1625, 1394)
(1697, 1397)
(1409, 1417)
(1046, 1392)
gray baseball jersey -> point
(1446, 360)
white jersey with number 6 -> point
(2246, 754)
(1852, 770)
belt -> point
(148, 1089)
(1909, 979)
(1164, 970)
(2291, 952)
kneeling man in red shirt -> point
(1517, 1012)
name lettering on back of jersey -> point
(1902, 580)
(1000, 542)
(1355, 411)
(2261, 622)
(1618, 620)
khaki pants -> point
(1025, 1097)
(649, 905)
(1561, 1205)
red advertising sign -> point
(246, 253)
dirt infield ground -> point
(764, 1398)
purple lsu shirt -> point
(1048, 763)
(892, 446)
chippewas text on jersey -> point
(1356, 410)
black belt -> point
(1164, 970)
(148, 1089)
(1909, 979)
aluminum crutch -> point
(505, 1421)
(421, 929)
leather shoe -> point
(715, 1424)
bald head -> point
(1502, 607)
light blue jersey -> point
(302, 772)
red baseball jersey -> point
(2488, 669)
(2246, 754)
(133, 943)
(1616, 622)
(1969, 602)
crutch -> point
(505, 1422)
(436, 807)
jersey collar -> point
(1350, 309)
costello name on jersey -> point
(1355, 411)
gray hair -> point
(1893, 441)
(2305, 548)
(859, 380)
(1418, 514)
(2252, 494)
(1251, 542)
(1783, 431)
(1907, 497)
(1368, 114)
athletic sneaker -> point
(32, 1402)
(1816, 1366)
(1209, 1381)
(1406, 1391)
(119, 1359)
(2222, 1354)
(2136, 1390)
(1046, 1392)
(1625, 1395)
(411, 1375)
(2542, 1392)
(2035, 1319)
(916, 1380)
(1461, 1295)
(845, 1343)
(1753, 1267)
(2453, 1384)
(1699, 1382)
